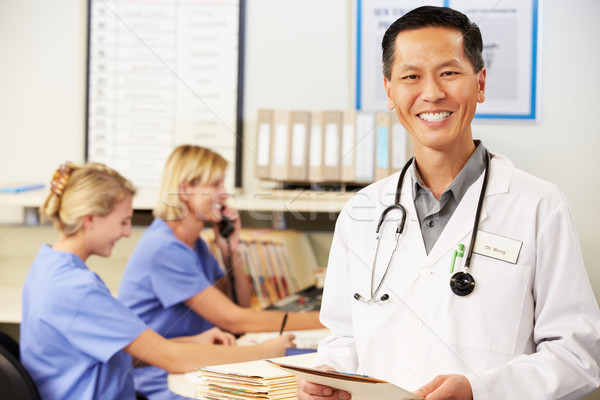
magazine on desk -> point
(360, 386)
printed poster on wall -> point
(510, 33)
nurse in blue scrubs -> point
(173, 282)
(77, 341)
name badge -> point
(498, 247)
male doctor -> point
(521, 322)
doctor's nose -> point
(431, 89)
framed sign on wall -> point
(510, 30)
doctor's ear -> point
(388, 91)
(481, 82)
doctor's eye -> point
(411, 77)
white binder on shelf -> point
(262, 168)
(315, 158)
(382, 150)
(332, 123)
(279, 145)
(401, 146)
(348, 145)
(298, 146)
(364, 150)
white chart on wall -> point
(162, 73)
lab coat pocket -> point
(490, 317)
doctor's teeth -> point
(434, 117)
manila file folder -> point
(359, 386)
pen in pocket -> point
(458, 253)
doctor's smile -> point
(434, 116)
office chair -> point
(10, 344)
(14, 378)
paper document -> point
(361, 387)
(305, 339)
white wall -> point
(299, 56)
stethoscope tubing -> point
(399, 230)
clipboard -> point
(361, 387)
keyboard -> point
(308, 299)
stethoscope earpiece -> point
(462, 283)
(358, 297)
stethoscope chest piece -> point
(462, 283)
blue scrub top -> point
(73, 331)
(160, 275)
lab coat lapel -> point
(414, 237)
(462, 221)
(459, 225)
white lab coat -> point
(529, 330)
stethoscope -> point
(462, 283)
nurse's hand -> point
(214, 336)
(450, 387)
(313, 391)
(276, 347)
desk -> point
(183, 384)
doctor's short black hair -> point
(438, 17)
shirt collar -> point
(462, 182)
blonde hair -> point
(190, 164)
(93, 189)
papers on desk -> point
(249, 380)
(306, 339)
(360, 386)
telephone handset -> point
(226, 227)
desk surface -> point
(183, 384)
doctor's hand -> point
(313, 391)
(449, 387)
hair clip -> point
(60, 178)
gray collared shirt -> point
(433, 215)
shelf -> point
(292, 201)
(262, 201)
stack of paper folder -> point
(249, 380)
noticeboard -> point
(163, 73)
